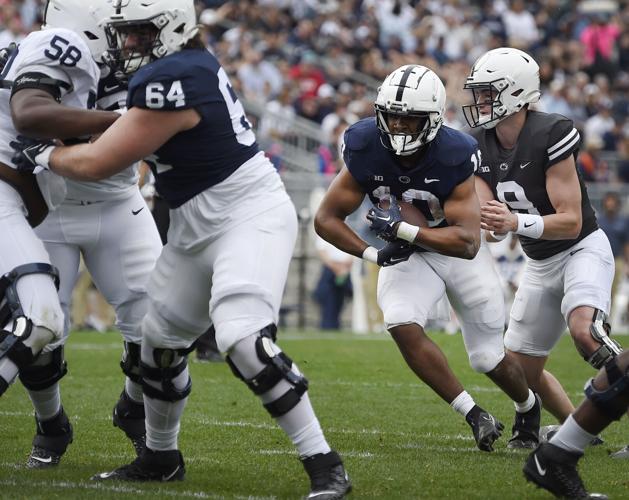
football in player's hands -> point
(410, 213)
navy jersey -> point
(450, 158)
(196, 159)
(517, 176)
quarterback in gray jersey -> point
(528, 184)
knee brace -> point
(600, 331)
(612, 401)
(130, 362)
(47, 370)
(170, 364)
(11, 308)
(24, 342)
(278, 367)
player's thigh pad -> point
(122, 261)
(474, 291)
(588, 274)
(179, 292)
(250, 268)
(536, 322)
(37, 292)
(408, 291)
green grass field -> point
(397, 438)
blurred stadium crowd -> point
(323, 59)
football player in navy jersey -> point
(231, 237)
(406, 154)
(528, 184)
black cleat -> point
(525, 431)
(129, 416)
(328, 479)
(51, 441)
(152, 465)
(555, 470)
(485, 426)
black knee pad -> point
(37, 377)
(612, 401)
(164, 374)
(130, 362)
(278, 367)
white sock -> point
(463, 403)
(133, 390)
(572, 437)
(308, 439)
(46, 402)
(526, 405)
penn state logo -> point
(404, 179)
(504, 166)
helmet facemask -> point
(132, 44)
(403, 143)
(488, 107)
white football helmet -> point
(85, 17)
(502, 82)
(168, 24)
(411, 90)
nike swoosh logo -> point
(575, 251)
(136, 212)
(170, 476)
(105, 475)
(542, 471)
(43, 460)
(428, 181)
(488, 418)
(524, 165)
(385, 218)
(393, 260)
(109, 89)
(529, 225)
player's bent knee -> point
(397, 315)
(265, 368)
(600, 331)
(612, 401)
(484, 362)
(45, 371)
(168, 380)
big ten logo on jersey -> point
(425, 201)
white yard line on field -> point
(108, 487)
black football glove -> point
(394, 253)
(384, 221)
(31, 155)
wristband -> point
(371, 254)
(497, 236)
(407, 232)
(43, 158)
(531, 226)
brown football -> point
(410, 213)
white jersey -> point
(110, 96)
(59, 54)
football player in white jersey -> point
(528, 184)
(52, 70)
(230, 241)
(109, 224)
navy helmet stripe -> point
(402, 85)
